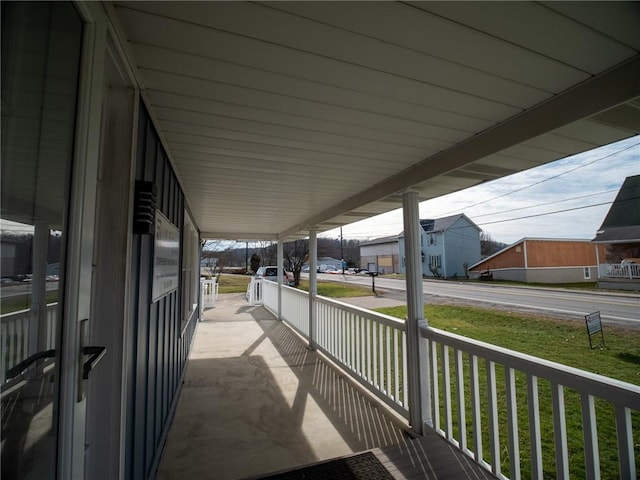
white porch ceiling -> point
(279, 117)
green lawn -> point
(23, 302)
(233, 283)
(238, 284)
(560, 341)
(337, 290)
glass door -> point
(41, 46)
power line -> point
(546, 203)
(556, 211)
(532, 215)
(548, 178)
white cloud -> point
(597, 179)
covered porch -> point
(257, 400)
(278, 121)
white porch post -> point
(280, 254)
(38, 333)
(313, 285)
(417, 357)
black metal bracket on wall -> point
(144, 214)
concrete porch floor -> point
(255, 400)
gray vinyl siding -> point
(462, 244)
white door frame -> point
(77, 295)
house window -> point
(587, 273)
(434, 261)
(432, 239)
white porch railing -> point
(465, 374)
(254, 292)
(14, 332)
(209, 293)
(369, 345)
(619, 270)
(487, 401)
(270, 293)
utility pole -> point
(246, 257)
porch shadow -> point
(256, 400)
(362, 422)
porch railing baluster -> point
(460, 397)
(560, 430)
(494, 432)
(396, 371)
(512, 422)
(590, 436)
(405, 392)
(14, 334)
(624, 428)
(475, 408)
(435, 385)
(386, 384)
(535, 438)
(446, 379)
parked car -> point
(271, 273)
(329, 269)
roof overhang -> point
(629, 234)
(283, 117)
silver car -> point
(271, 273)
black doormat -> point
(364, 466)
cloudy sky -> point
(522, 205)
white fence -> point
(209, 293)
(487, 401)
(270, 293)
(369, 345)
(254, 291)
(489, 380)
(295, 309)
(619, 270)
(14, 332)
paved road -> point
(22, 289)
(616, 308)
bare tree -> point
(268, 251)
(296, 254)
(488, 246)
(209, 257)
